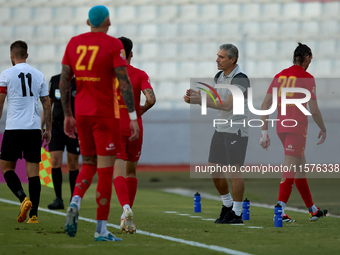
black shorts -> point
(228, 148)
(60, 140)
(16, 143)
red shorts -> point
(98, 135)
(293, 144)
(130, 150)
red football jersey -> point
(140, 81)
(294, 76)
(93, 57)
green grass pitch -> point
(48, 237)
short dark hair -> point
(19, 48)
(127, 43)
(300, 53)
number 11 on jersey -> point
(23, 84)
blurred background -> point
(177, 40)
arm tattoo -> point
(125, 87)
(47, 112)
(65, 90)
(150, 98)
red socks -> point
(302, 186)
(286, 186)
(131, 183)
(121, 190)
(84, 179)
(104, 191)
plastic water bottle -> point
(245, 212)
(278, 216)
(197, 204)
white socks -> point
(101, 227)
(237, 208)
(283, 205)
(127, 206)
(227, 200)
(76, 199)
(313, 209)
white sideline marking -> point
(253, 227)
(190, 193)
(169, 238)
(206, 219)
(170, 212)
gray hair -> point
(231, 49)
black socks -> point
(14, 184)
(34, 187)
(57, 179)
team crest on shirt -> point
(57, 94)
(314, 90)
(290, 148)
(122, 54)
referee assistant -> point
(59, 141)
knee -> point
(55, 162)
(90, 160)
(131, 172)
(72, 162)
(4, 170)
(105, 173)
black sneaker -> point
(224, 212)
(57, 204)
(231, 218)
(318, 214)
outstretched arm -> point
(150, 101)
(127, 93)
(227, 105)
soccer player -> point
(59, 141)
(96, 59)
(229, 142)
(293, 138)
(23, 85)
(127, 159)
